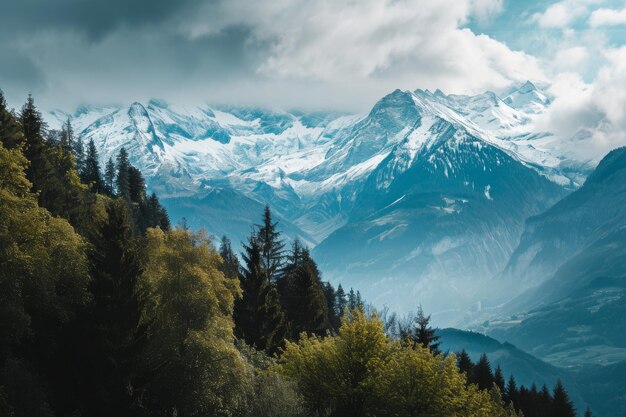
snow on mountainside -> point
(324, 172)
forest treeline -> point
(107, 310)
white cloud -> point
(588, 119)
(608, 17)
(571, 58)
(485, 10)
(563, 13)
(396, 43)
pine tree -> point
(109, 177)
(511, 390)
(588, 412)
(419, 332)
(465, 363)
(499, 378)
(79, 154)
(481, 374)
(91, 173)
(40, 169)
(123, 165)
(136, 185)
(562, 406)
(352, 304)
(259, 317)
(230, 265)
(341, 301)
(67, 137)
(302, 294)
(271, 246)
(115, 320)
(10, 130)
(331, 302)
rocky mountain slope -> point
(427, 190)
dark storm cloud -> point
(18, 73)
(94, 19)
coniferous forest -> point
(106, 309)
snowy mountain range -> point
(421, 200)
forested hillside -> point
(106, 310)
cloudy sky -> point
(339, 54)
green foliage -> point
(272, 247)
(302, 294)
(362, 372)
(43, 285)
(10, 129)
(230, 266)
(259, 316)
(417, 332)
(91, 173)
(194, 366)
(104, 311)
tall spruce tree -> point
(272, 247)
(259, 317)
(341, 301)
(40, 169)
(11, 134)
(464, 362)
(482, 374)
(331, 302)
(79, 154)
(91, 173)
(136, 185)
(67, 136)
(123, 166)
(302, 294)
(499, 378)
(115, 318)
(419, 332)
(109, 177)
(562, 406)
(510, 394)
(230, 265)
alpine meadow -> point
(325, 208)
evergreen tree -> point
(259, 317)
(588, 412)
(109, 177)
(341, 301)
(155, 214)
(481, 374)
(272, 254)
(67, 137)
(230, 265)
(352, 304)
(10, 130)
(331, 302)
(91, 173)
(115, 318)
(562, 406)
(499, 378)
(79, 154)
(136, 185)
(302, 293)
(123, 166)
(511, 390)
(419, 332)
(40, 169)
(465, 363)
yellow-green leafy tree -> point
(361, 372)
(191, 363)
(43, 286)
